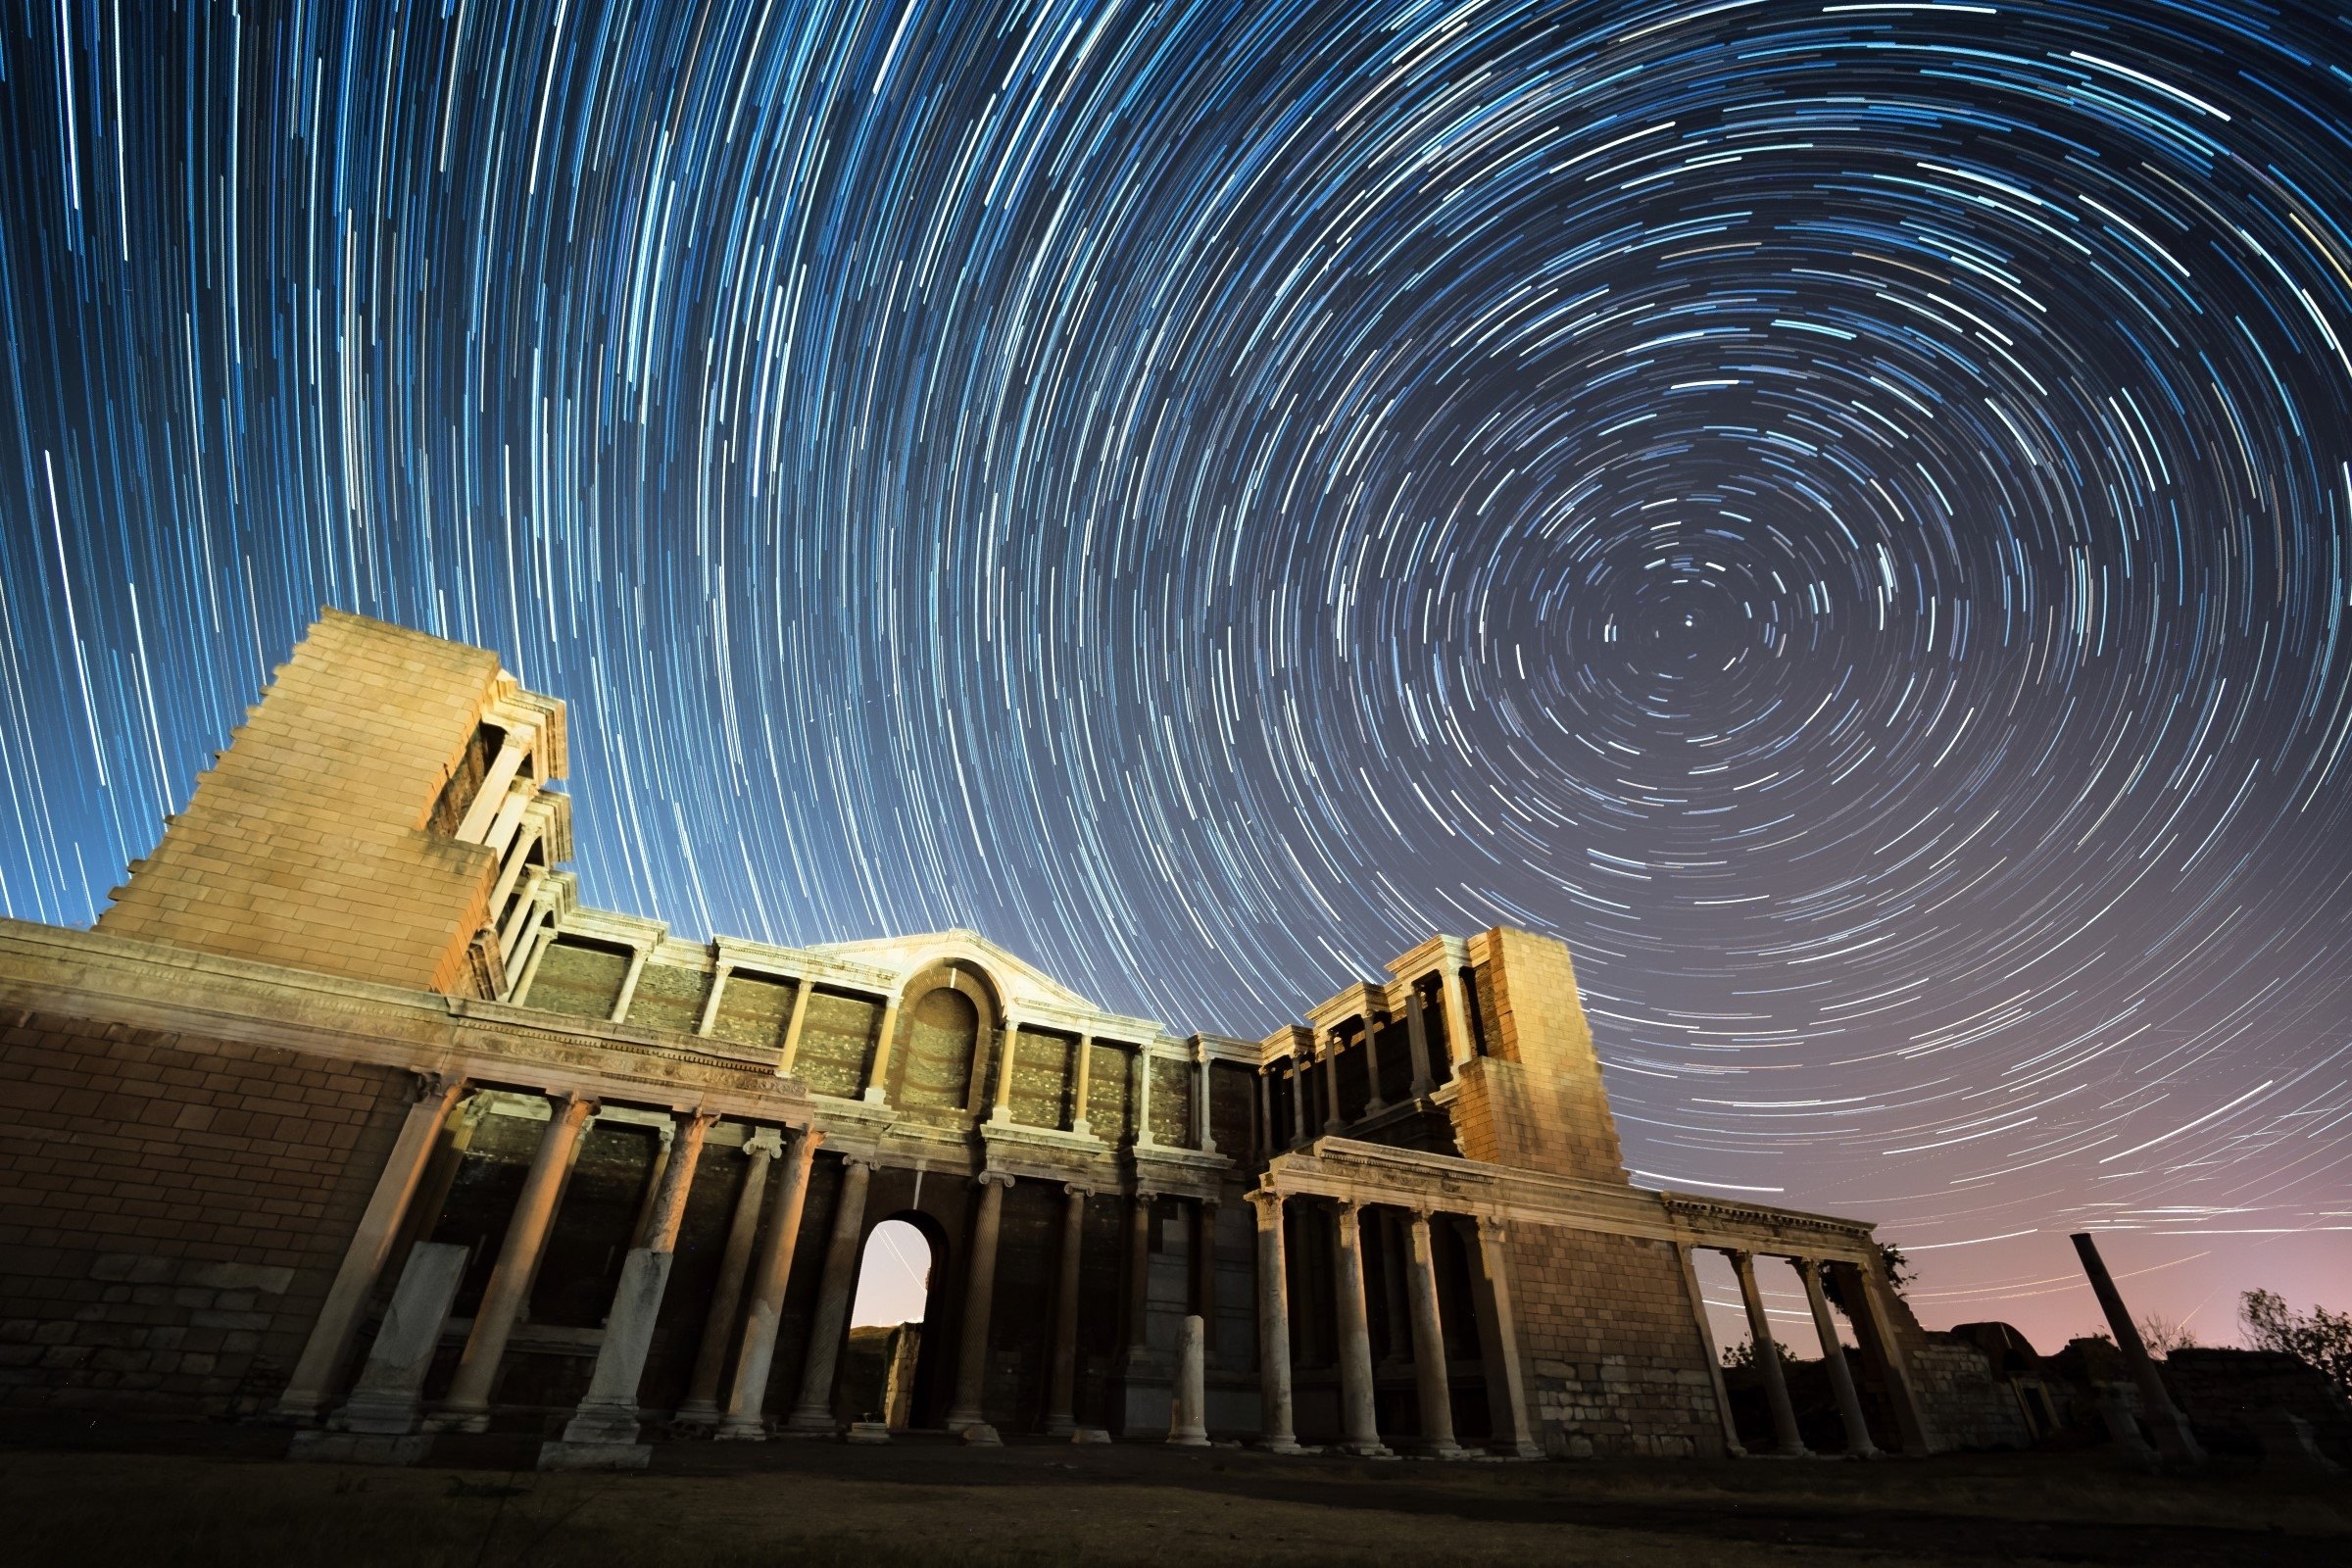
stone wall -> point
(1966, 1405)
(1613, 1358)
(172, 1209)
(1534, 1100)
(306, 844)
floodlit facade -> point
(349, 1114)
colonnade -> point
(1359, 1427)
(1765, 1354)
(727, 1389)
(1312, 1062)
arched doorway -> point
(888, 1373)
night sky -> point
(1840, 511)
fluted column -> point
(1276, 1424)
(965, 1414)
(1832, 1355)
(772, 1272)
(812, 1412)
(1206, 1143)
(1767, 1356)
(1360, 1422)
(320, 1364)
(1431, 1385)
(1298, 1128)
(701, 1408)
(468, 1406)
(1061, 1391)
(1262, 1144)
(1332, 1120)
(1144, 1138)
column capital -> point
(865, 1162)
(1078, 1189)
(1267, 1200)
(766, 1141)
(1806, 1266)
(993, 1178)
(1741, 1256)
(1493, 1230)
(426, 1085)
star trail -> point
(1840, 511)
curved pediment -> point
(1023, 984)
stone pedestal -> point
(387, 1401)
(609, 1413)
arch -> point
(946, 1034)
(896, 1324)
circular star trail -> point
(1840, 511)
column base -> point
(873, 1094)
(980, 1435)
(867, 1432)
(738, 1429)
(602, 1425)
(1281, 1445)
(1058, 1426)
(1867, 1451)
(1089, 1435)
(458, 1421)
(359, 1447)
(697, 1415)
(1082, 1127)
(1522, 1448)
(564, 1454)
(1448, 1450)
(1374, 1450)
(810, 1424)
(1195, 1437)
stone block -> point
(264, 1278)
(134, 1268)
(385, 1401)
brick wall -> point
(172, 1210)
(306, 844)
(1614, 1364)
(1536, 1100)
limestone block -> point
(386, 1402)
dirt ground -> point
(217, 1496)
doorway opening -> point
(885, 1372)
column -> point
(1359, 1424)
(1732, 1447)
(607, 1414)
(466, 1408)
(812, 1412)
(1392, 1283)
(526, 907)
(719, 974)
(1506, 1392)
(1332, 1121)
(879, 1077)
(317, 1370)
(1298, 1128)
(793, 1026)
(1460, 1043)
(1142, 1099)
(1081, 1087)
(701, 1408)
(1061, 1392)
(1208, 1141)
(505, 825)
(1841, 1377)
(1275, 1421)
(1261, 1140)
(1429, 1383)
(2174, 1440)
(1205, 1271)
(771, 1271)
(543, 938)
(965, 1413)
(1374, 1101)
(512, 869)
(638, 955)
(1138, 1273)
(493, 791)
(1010, 1036)
(1767, 1357)
(1883, 1354)
(1416, 1038)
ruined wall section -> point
(172, 1210)
(1534, 1098)
(1612, 1353)
(306, 844)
